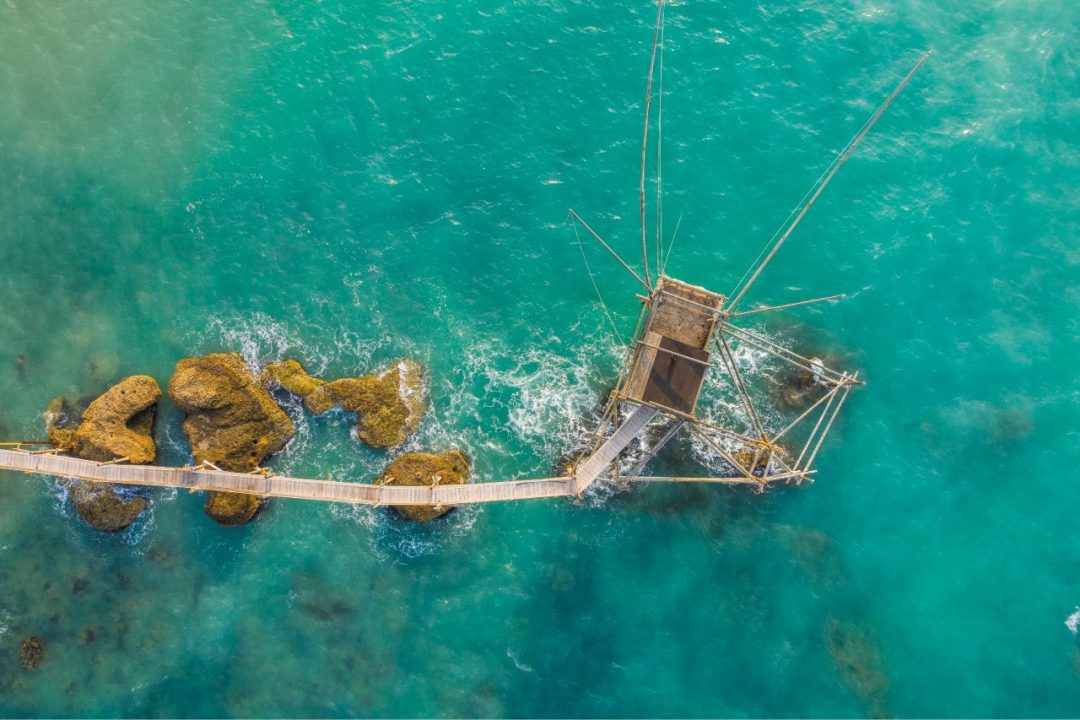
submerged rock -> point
(31, 653)
(858, 657)
(231, 422)
(796, 389)
(756, 460)
(428, 469)
(22, 367)
(390, 404)
(118, 424)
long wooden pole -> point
(645, 136)
(780, 351)
(796, 421)
(785, 306)
(724, 453)
(740, 387)
(825, 181)
(828, 426)
(810, 439)
(608, 248)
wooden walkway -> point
(591, 468)
(192, 479)
(280, 486)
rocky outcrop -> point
(118, 424)
(106, 507)
(31, 653)
(390, 404)
(428, 469)
(232, 508)
(231, 422)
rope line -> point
(599, 296)
(660, 153)
(645, 138)
(828, 176)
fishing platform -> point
(672, 353)
(683, 332)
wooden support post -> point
(640, 465)
(725, 454)
(806, 412)
(828, 426)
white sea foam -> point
(517, 663)
(1073, 621)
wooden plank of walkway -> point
(591, 468)
(281, 486)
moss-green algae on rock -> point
(390, 404)
(31, 653)
(232, 422)
(427, 469)
(118, 424)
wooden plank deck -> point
(345, 492)
(591, 468)
(670, 355)
(281, 486)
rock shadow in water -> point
(855, 650)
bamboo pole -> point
(785, 306)
(806, 412)
(837, 164)
(725, 454)
(645, 136)
(740, 387)
(608, 248)
(652, 452)
(778, 351)
(828, 426)
(810, 439)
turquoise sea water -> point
(346, 183)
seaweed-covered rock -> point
(390, 404)
(796, 389)
(31, 653)
(106, 507)
(756, 460)
(857, 655)
(291, 375)
(231, 422)
(232, 508)
(428, 469)
(118, 424)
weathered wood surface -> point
(670, 356)
(280, 486)
(684, 312)
(675, 379)
(595, 464)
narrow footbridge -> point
(268, 486)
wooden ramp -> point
(279, 486)
(591, 468)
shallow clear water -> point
(346, 183)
